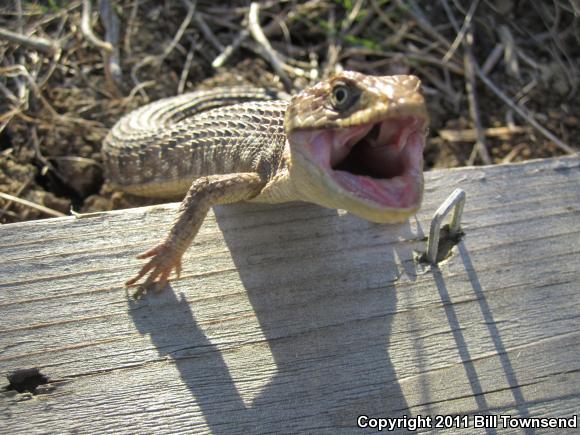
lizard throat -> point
(379, 163)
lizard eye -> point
(342, 97)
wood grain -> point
(294, 318)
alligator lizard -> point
(351, 142)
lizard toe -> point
(164, 259)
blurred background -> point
(500, 76)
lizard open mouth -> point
(380, 163)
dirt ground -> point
(503, 71)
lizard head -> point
(356, 143)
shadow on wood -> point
(294, 318)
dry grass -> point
(501, 78)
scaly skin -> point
(352, 142)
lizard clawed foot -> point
(164, 258)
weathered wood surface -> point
(295, 318)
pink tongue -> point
(399, 192)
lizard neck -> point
(281, 186)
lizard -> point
(352, 142)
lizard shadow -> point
(323, 293)
(324, 301)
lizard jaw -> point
(376, 168)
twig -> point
(510, 51)
(470, 83)
(77, 159)
(445, 88)
(221, 21)
(47, 165)
(513, 153)
(185, 71)
(88, 30)
(365, 21)
(451, 66)
(177, 37)
(522, 96)
(54, 61)
(41, 44)
(410, 55)
(474, 108)
(465, 37)
(207, 32)
(112, 58)
(464, 29)
(398, 31)
(334, 46)
(346, 23)
(9, 95)
(417, 14)
(296, 12)
(260, 38)
(470, 134)
(19, 12)
(568, 64)
(492, 58)
(109, 48)
(228, 51)
(241, 10)
(292, 67)
(157, 59)
(130, 27)
(7, 116)
(138, 89)
(6, 208)
(522, 112)
(24, 202)
(20, 70)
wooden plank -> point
(294, 318)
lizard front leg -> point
(204, 193)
